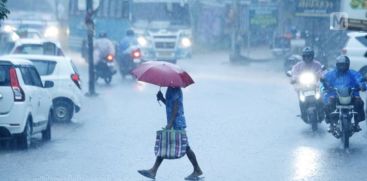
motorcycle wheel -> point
(312, 118)
(108, 79)
(345, 133)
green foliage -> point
(3, 10)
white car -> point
(355, 49)
(37, 47)
(25, 102)
(66, 93)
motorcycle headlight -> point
(142, 41)
(51, 32)
(307, 79)
(186, 42)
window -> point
(35, 77)
(4, 75)
(44, 67)
(362, 39)
(30, 49)
(27, 77)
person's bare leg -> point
(197, 170)
(151, 173)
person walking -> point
(173, 101)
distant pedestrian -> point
(175, 120)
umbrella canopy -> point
(163, 74)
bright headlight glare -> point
(307, 79)
(142, 41)
(8, 28)
(186, 42)
(51, 32)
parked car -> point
(355, 49)
(25, 102)
(37, 47)
(66, 93)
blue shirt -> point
(334, 79)
(172, 95)
(126, 42)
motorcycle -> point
(105, 69)
(309, 95)
(130, 59)
(345, 111)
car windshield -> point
(44, 67)
(4, 75)
(174, 14)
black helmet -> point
(308, 54)
(342, 63)
(130, 33)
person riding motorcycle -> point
(342, 77)
(102, 48)
(308, 64)
(127, 41)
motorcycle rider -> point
(308, 64)
(127, 41)
(342, 77)
(126, 45)
(102, 48)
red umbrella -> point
(163, 74)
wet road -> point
(241, 121)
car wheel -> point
(46, 134)
(63, 111)
(24, 139)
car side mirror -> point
(48, 84)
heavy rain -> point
(215, 90)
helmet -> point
(102, 35)
(308, 54)
(130, 33)
(342, 63)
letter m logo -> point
(338, 21)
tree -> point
(3, 10)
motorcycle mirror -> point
(289, 73)
(323, 68)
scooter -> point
(105, 69)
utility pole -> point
(90, 33)
(233, 16)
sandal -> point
(147, 174)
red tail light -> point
(136, 53)
(76, 79)
(14, 83)
(109, 58)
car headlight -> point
(9, 28)
(186, 42)
(142, 41)
(51, 32)
(307, 78)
